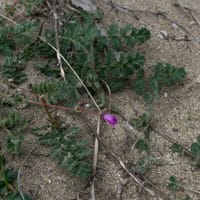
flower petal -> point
(110, 119)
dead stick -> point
(121, 8)
(56, 18)
(178, 5)
(95, 155)
(191, 11)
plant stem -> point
(68, 64)
(75, 73)
(51, 119)
(64, 108)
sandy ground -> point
(176, 114)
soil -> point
(174, 39)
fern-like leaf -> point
(168, 74)
(58, 92)
(70, 152)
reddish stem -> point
(63, 108)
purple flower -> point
(110, 119)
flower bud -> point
(110, 119)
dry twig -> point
(56, 24)
(192, 12)
(95, 155)
(157, 14)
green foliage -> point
(143, 165)
(12, 38)
(164, 74)
(16, 36)
(99, 56)
(141, 145)
(31, 6)
(11, 100)
(173, 183)
(12, 68)
(61, 92)
(193, 152)
(49, 69)
(23, 33)
(143, 123)
(8, 179)
(127, 35)
(177, 148)
(14, 142)
(69, 151)
(7, 44)
(15, 126)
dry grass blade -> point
(56, 19)
(95, 155)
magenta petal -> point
(110, 119)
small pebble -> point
(163, 35)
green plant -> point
(143, 123)
(61, 92)
(193, 152)
(16, 36)
(11, 100)
(178, 148)
(12, 38)
(143, 164)
(164, 74)
(97, 56)
(32, 6)
(12, 68)
(173, 183)
(8, 187)
(49, 69)
(7, 45)
(141, 145)
(70, 152)
(15, 126)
